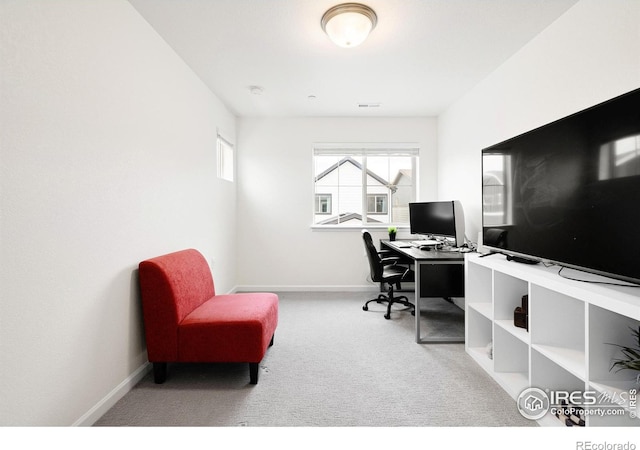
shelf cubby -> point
(510, 362)
(549, 376)
(614, 386)
(508, 293)
(480, 282)
(560, 331)
(571, 326)
(603, 341)
(479, 337)
(546, 374)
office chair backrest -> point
(375, 264)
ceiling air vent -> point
(368, 105)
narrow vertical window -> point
(225, 159)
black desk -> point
(438, 273)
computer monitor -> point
(444, 219)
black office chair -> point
(387, 269)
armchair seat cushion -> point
(229, 328)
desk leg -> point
(435, 339)
(417, 300)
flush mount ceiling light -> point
(349, 24)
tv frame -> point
(514, 255)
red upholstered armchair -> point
(185, 321)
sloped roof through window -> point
(349, 159)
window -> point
(364, 184)
(377, 204)
(225, 159)
(323, 203)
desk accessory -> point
(521, 313)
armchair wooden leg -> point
(253, 373)
(159, 372)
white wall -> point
(276, 246)
(588, 55)
(107, 158)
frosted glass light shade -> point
(349, 24)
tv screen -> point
(569, 192)
(438, 219)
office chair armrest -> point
(400, 259)
(391, 260)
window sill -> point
(357, 227)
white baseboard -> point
(100, 408)
(307, 288)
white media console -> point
(571, 325)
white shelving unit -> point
(571, 326)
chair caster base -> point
(396, 300)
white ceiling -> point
(422, 56)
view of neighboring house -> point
(343, 191)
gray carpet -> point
(332, 365)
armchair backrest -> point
(171, 287)
(375, 262)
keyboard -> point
(401, 244)
(425, 242)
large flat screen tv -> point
(440, 219)
(568, 192)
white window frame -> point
(329, 198)
(363, 150)
(226, 159)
